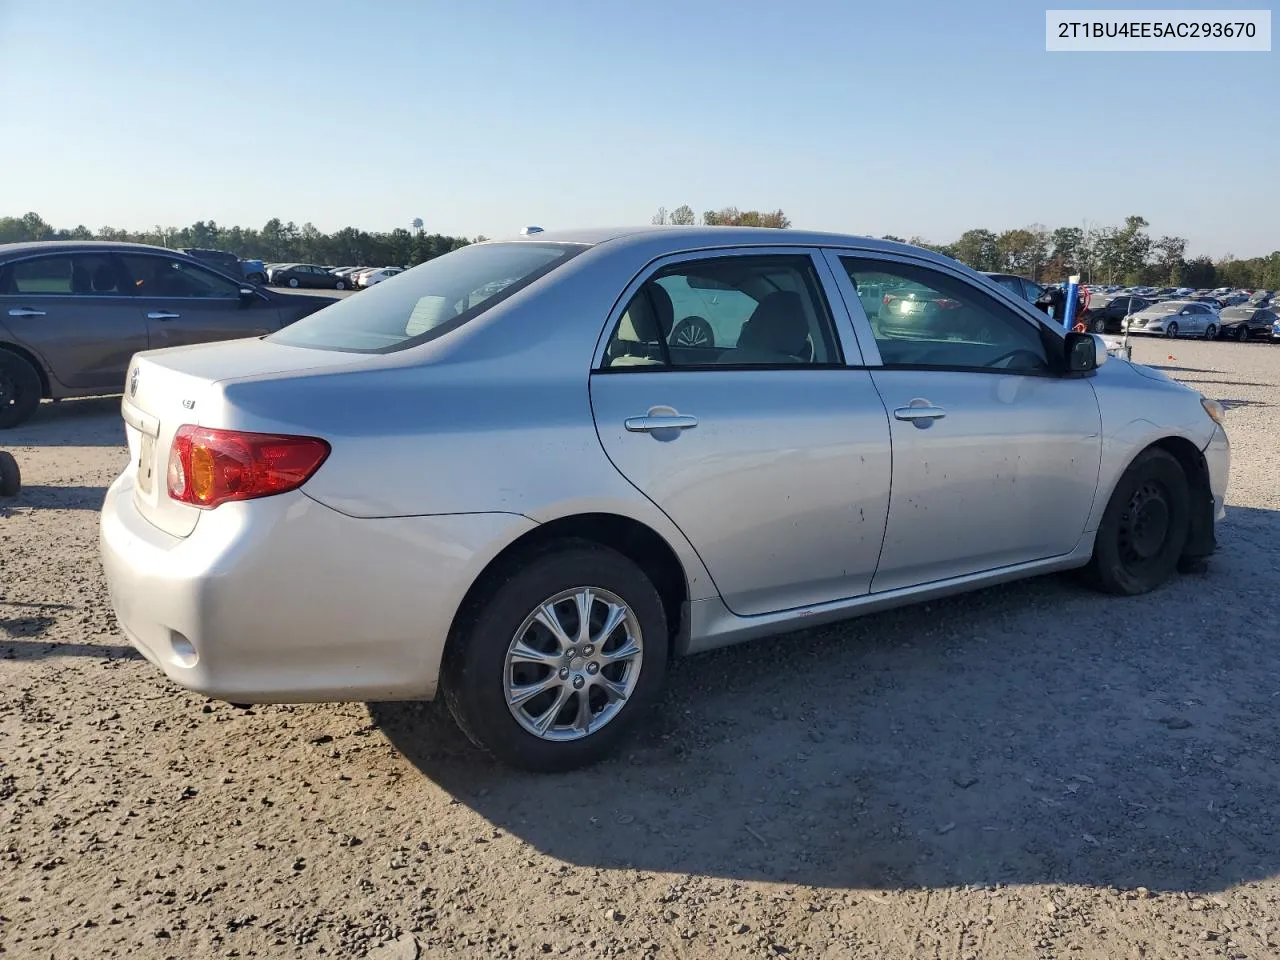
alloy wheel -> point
(573, 664)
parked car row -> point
(1219, 314)
(326, 277)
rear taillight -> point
(888, 299)
(208, 466)
(945, 304)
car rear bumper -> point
(284, 600)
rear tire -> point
(1100, 325)
(1211, 332)
(1144, 527)
(478, 674)
(10, 475)
(340, 286)
(293, 282)
(19, 389)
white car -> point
(370, 277)
(1175, 318)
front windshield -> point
(428, 301)
(1164, 308)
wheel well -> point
(1200, 542)
(635, 541)
(39, 368)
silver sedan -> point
(503, 476)
(1175, 318)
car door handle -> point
(25, 312)
(650, 423)
(915, 412)
(162, 315)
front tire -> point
(1100, 325)
(530, 679)
(1171, 330)
(19, 389)
(1243, 333)
(1144, 527)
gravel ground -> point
(1030, 771)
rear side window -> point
(742, 311)
(82, 274)
(429, 300)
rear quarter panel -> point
(495, 416)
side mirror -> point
(248, 295)
(1085, 352)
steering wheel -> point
(1020, 351)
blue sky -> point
(480, 116)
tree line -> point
(1114, 254)
(274, 242)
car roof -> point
(81, 246)
(682, 238)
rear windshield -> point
(429, 300)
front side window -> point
(924, 318)
(757, 310)
(153, 276)
(429, 300)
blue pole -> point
(1069, 314)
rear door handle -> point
(649, 424)
(25, 312)
(916, 412)
(162, 315)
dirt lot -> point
(1032, 771)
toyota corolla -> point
(502, 477)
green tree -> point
(978, 249)
(1199, 272)
(1018, 250)
(684, 216)
(1169, 263)
(733, 217)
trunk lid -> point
(165, 389)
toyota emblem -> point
(133, 383)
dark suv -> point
(252, 270)
(1028, 290)
(1108, 316)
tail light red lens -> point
(945, 304)
(209, 466)
(888, 299)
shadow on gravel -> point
(38, 497)
(92, 422)
(1243, 403)
(1033, 733)
(42, 649)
